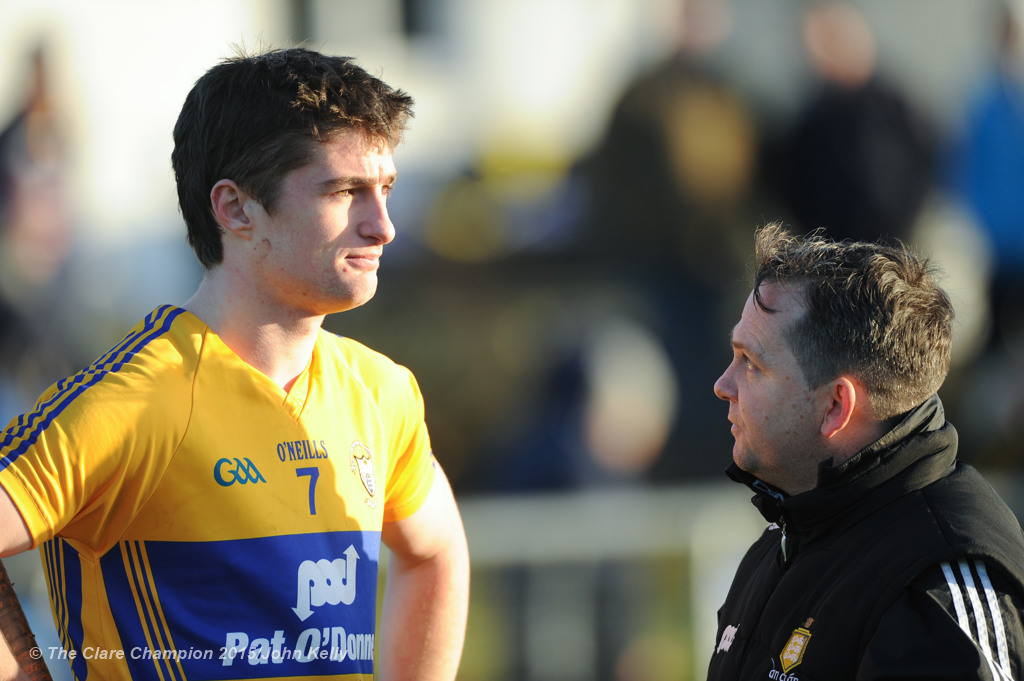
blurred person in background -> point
(214, 491)
(984, 174)
(36, 225)
(677, 164)
(859, 158)
(987, 174)
(678, 154)
(884, 556)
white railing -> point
(555, 545)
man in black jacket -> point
(884, 557)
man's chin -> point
(353, 299)
(742, 458)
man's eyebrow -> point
(357, 181)
(748, 349)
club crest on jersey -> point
(361, 464)
(793, 653)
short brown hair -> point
(253, 119)
(873, 311)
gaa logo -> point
(229, 471)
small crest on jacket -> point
(793, 653)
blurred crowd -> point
(567, 323)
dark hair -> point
(253, 119)
(873, 311)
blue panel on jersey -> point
(64, 567)
(297, 605)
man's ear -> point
(228, 201)
(842, 398)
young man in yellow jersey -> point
(212, 494)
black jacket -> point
(901, 564)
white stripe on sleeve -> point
(958, 598)
(997, 617)
(956, 592)
(979, 614)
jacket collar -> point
(918, 450)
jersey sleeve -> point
(411, 463)
(958, 620)
(70, 465)
(91, 451)
(29, 463)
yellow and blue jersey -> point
(198, 522)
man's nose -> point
(725, 389)
(377, 224)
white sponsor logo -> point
(326, 582)
(728, 636)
